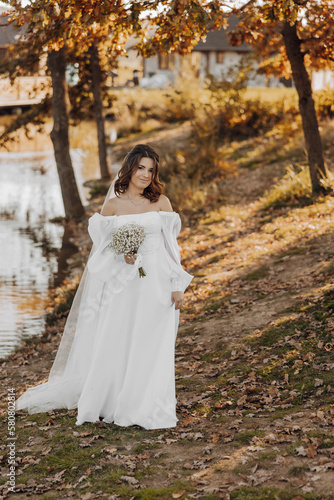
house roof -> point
(9, 33)
(218, 40)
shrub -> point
(324, 103)
(98, 190)
(62, 302)
(294, 185)
(194, 177)
(230, 115)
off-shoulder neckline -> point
(142, 213)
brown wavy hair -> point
(130, 166)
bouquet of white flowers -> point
(127, 240)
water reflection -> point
(33, 251)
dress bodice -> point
(152, 224)
(150, 220)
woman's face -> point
(142, 177)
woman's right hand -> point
(130, 258)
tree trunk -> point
(306, 105)
(101, 137)
(59, 135)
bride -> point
(115, 361)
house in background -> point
(26, 90)
(214, 56)
(322, 79)
(7, 34)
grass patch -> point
(294, 251)
(109, 481)
(329, 269)
(71, 455)
(298, 470)
(265, 493)
(327, 440)
(294, 188)
(164, 493)
(188, 382)
(98, 190)
(214, 305)
(215, 259)
(289, 363)
(258, 273)
(141, 448)
(271, 335)
(267, 456)
(247, 436)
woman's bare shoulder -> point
(110, 207)
(165, 204)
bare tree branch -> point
(311, 39)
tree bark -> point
(306, 105)
(101, 137)
(59, 135)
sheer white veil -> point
(83, 296)
(111, 192)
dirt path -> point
(160, 139)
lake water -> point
(32, 249)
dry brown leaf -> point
(110, 449)
(179, 494)
(82, 434)
(311, 450)
(242, 400)
(130, 479)
(45, 451)
(87, 496)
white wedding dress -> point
(120, 360)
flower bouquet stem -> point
(141, 272)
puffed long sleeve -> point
(171, 226)
(104, 264)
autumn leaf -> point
(179, 494)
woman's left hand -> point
(178, 299)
